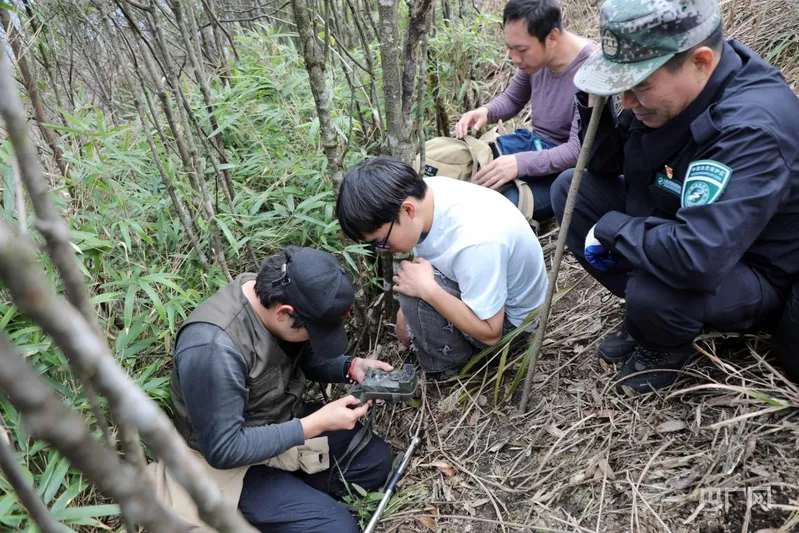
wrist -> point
(431, 292)
(311, 426)
(350, 371)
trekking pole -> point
(388, 492)
(599, 104)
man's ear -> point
(409, 208)
(552, 38)
(284, 312)
(703, 59)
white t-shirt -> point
(482, 242)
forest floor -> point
(715, 453)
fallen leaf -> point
(605, 468)
(498, 446)
(474, 418)
(670, 426)
(444, 467)
(429, 523)
(478, 503)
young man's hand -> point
(333, 416)
(475, 119)
(498, 172)
(360, 366)
(415, 278)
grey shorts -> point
(439, 346)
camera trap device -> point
(396, 386)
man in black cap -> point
(242, 360)
(689, 207)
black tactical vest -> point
(274, 380)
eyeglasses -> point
(384, 245)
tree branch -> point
(46, 418)
(34, 297)
(27, 496)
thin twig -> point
(564, 230)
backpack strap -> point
(526, 201)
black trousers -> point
(277, 501)
(658, 316)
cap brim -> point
(327, 341)
(603, 77)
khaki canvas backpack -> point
(461, 159)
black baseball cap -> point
(321, 294)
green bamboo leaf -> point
(130, 301)
(8, 315)
(54, 484)
(105, 297)
(67, 496)
(165, 279)
(520, 373)
(228, 234)
(44, 480)
(76, 514)
(159, 306)
(7, 505)
(500, 370)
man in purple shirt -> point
(546, 57)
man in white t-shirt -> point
(478, 269)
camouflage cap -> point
(639, 36)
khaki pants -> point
(311, 457)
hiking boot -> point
(618, 347)
(661, 368)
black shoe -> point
(650, 362)
(618, 347)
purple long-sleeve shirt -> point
(554, 116)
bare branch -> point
(19, 198)
(209, 8)
(137, 5)
(46, 418)
(27, 496)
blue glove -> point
(597, 255)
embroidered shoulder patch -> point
(704, 182)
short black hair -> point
(372, 193)
(270, 294)
(542, 16)
(714, 41)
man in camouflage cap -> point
(689, 206)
